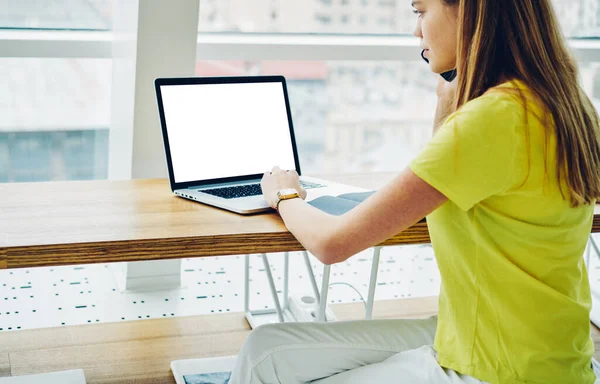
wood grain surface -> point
(141, 351)
(64, 223)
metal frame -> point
(372, 283)
(321, 296)
(588, 253)
(241, 46)
(592, 244)
(56, 44)
(279, 309)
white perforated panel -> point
(48, 297)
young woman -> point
(508, 184)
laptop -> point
(221, 134)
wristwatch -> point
(285, 194)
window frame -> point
(240, 46)
(43, 43)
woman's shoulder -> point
(509, 102)
(514, 94)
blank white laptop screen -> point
(226, 130)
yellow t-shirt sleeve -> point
(472, 156)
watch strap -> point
(289, 196)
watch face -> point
(287, 191)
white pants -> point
(374, 351)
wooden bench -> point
(141, 351)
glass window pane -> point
(55, 119)
(579, 17)
(350, 116)
(56, 14)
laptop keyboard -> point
(248, 190)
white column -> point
(153, 38)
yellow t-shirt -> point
(515, 299)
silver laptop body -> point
(221, 134)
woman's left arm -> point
(333, 239)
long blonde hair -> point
(522, 40)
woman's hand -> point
(279, 179)
(446, 94)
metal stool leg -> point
(594, 246)
(247, 285)
(372, 283)
(588, 253)
(311, 276)
(322, 300)
(322, 296)
(272, 286)
(250, 314)
(324, 291)
(286, 276)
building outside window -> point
(55, 111)
(350, 116)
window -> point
(350, 116)
(580, 18)
(54, 108)
(56, 14)
(55, 119)
(56, 111)
(354, 114)
(323, 19)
